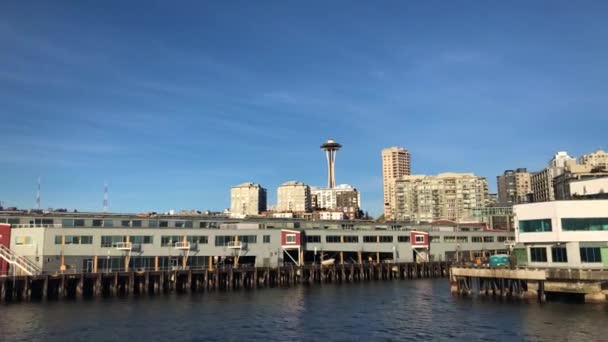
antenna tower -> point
(105, 197)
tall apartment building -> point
(596, 160)
(247, 199)
(395, 163)
(343, 197)
(514, 187)
(542, 181)
(294, 197)
(451, 196)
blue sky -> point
(174, 102)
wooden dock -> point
(106, 284)
(529, 282)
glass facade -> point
(538, 254)
(535, 226)
(591, 254)
(403, 239)
(312, 238)
(559, 254)
(585, 224)
(351, 238)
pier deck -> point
(529, 282)
(152, 282)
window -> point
(248, 238)
(332, 239)
(188, 224)
(435, 238)
(559, 254)
(350, 238)
(97, 223)
(112, 240)
(79, 223)
(419, 238)
(142, 240)
(535, 226)
(125, 223)
(590, 254)
(538, 254)
(199, 239)
(72, 240)
(502, 238)
(267, 239)
(108, 223)
(488, 239)
(58, 239)
(13, 221)
(202, 225)
(476, 239)
(585, 224)
(153, 223)
(67, 223)
(170, 240)
(369, 238)
(386, 239)
(163, 224)
(290, 238)
(179, 224)
(23, 240)
(313, 238)
(403, 239)
(224, 240)
(86, 240)
(449, 239)
(136, 223)
(462, 239)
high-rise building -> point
(514, 187)
(541, 182)
(596, 160)
(294, 197)
(343, 197)
(451, 196)
(247, 199)
(395, 163)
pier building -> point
(100, 242)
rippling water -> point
(419, 310)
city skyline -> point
(172, 120)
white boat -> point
(328, 262)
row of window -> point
(73, 240)
(385, 239)
(568, 224)
(560, 254)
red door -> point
(5, 239)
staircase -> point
(23, 263)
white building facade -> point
(563, 233)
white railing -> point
(182, 245)
(23, 263)
(56, 225)
(123, 246)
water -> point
(420, 310)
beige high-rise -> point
(247, 199)
(597, 159)
(395, 163)
(293, 197)
(450, 196)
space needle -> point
(331, 147)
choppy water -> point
(420, 310)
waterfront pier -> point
(530, 283)
(107, 284)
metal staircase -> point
(22, 263)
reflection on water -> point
(398, 310)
